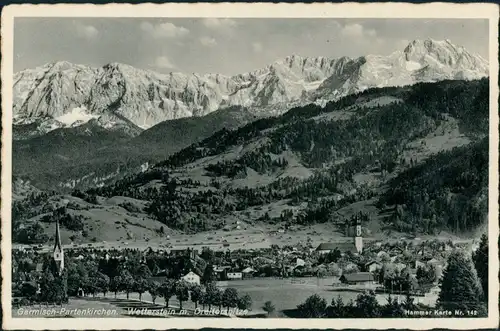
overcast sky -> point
(227, 46)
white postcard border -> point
(254, 10)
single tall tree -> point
(102, 282)
(127, 282)
(230, 297)
(460, 286)
(47, 288)
(269, 308)
(314, 307)
(245, 302)
(153, 289)
(115, 285)
(203, 300)
(337, 308)
(214, 296)
(28, 290)
(141, 286)
(367, 305)
(392, 309)
(181, 292)
(196, 294)
(167, 290)
(480, 258)
(208, 274)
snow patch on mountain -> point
(77, 115)
(412, 65)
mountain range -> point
(122, 98)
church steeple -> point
(57, 244)
(58, 252)
(358, 240)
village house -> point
(448, 248)
(381, 255)
(343, 247)
(439, 266)
(396, 251)
(248, 272)
(191, 278)
(299, 263)
(372, 266)
(358, 278)
(221, 272)
(418, 264)
(435, 262)
(189, 252)
(234, 275)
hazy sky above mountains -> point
(226, 46)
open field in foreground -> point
(287, 294)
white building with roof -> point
(191, 278)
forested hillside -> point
(91, 155)
(448, 190)
(419, 152)
(407, 159)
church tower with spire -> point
(358, 239)
(58, 252)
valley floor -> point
(257, 236)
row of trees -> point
(206, 296)
(53, 290)
(89, 279)
(366, 305)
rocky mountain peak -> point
(443, 53)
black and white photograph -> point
(235, 169)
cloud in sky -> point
(257, 47)
(164, 30)
(241, 44)
(357, 30)
(208, 41)
(164, 62)
(219, 23)
(86, 31)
